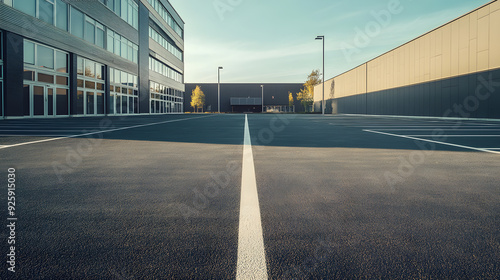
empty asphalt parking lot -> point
(251, 197)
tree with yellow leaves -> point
(197, 99)
(290, 99)
(306, 94)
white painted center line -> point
(432, 141)
(251, 254)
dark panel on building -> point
(143, 65)
(454, 97)
(13, 74)
(72, 83)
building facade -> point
(62, 58)
(238, 98)
(451, 71)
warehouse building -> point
(62, 58)
(239, 98)
(451, 71)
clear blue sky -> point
(272, 41)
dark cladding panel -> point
(13, 78)
(143, 65)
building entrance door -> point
(42, 101)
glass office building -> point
(62, 58)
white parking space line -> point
(98, 132)
(454, 135)
(251, 254)
(432, 141)
(444, 129)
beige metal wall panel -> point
(495, 6)
(484, 11)
(455, 35)
(494, 39)
(446, 51)
(483, 61)
(473, 56)
(463, 67)
(473, 25)
(464, 30)
(483, 34)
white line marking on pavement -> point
(98, 132)
(454, 135)
(445, 129)
(432, 141)
(251, 254)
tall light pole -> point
(322, 38)
(218, 88)
(262, 86)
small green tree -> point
(197, 99)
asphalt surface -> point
(341, 197)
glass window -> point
(124, 78)
(89, 68)
(29, 75)
(117, 76)
(79, 102)
(111, 4)
(100, 103)
(60, 80)
(111, 75)
(124, 11)
(61, 62)
(98, 71)
(124, 104)
(61, 15)
(124, 48)
(89, 84)
(117, 44)
(76, 23)
(61, 102)
(90, 103)
(26, 6)
(99, 36)
(29, 53)
(46, 11)
(79, 66)
(45, 57)
(44, 78)
(90, 30)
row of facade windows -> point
(124, 93)
(46, 81)
(126, 9)
(121, 46)
(68, 18)
(165, 43)
(165, 99)
(167, 17)
(46, 86)
(161, 68)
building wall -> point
(18, 26)
(441, 60)
(274, 95)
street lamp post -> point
(322, 38)
(218, 88)
(262, 86)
